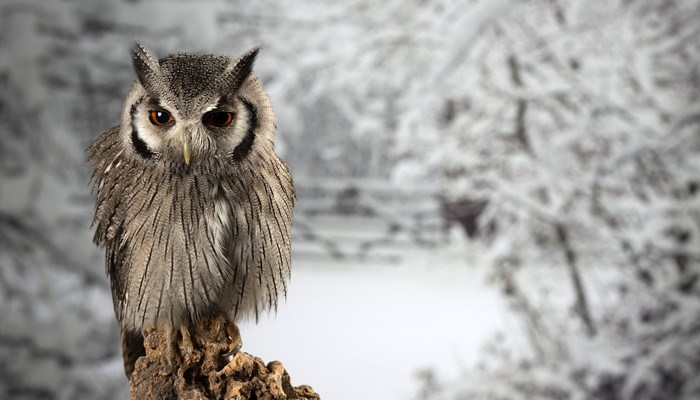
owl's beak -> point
(186, 149)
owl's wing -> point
(261, 194)
(103, 155)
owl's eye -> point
(160, 117)
(219, 118)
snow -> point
(469, 20)
(363, 330)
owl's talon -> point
(171, 360)
(186, 340)
(235, 336)
(220, 323)
(171, 346)
(233, 348)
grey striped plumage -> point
(188, 239)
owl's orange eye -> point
(219, 118)
(160, 117)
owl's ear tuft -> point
(241, 69)
(146, 66)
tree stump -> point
(204, 374)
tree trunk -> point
(581, 299)
(204, 374)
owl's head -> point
(186, 108)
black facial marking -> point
(243, 148)
(139, 145)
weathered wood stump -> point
(204, 374)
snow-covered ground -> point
(362, 330)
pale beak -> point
(186, 149)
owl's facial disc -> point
(222, 126)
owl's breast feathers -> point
(182, 245)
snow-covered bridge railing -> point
(363, 219)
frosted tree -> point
(346, 66)
(55, 338)
(578, 123)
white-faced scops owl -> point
(194, 208)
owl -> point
(193, 206)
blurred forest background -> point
(547, 149)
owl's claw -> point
(186, 340)
(220, 323)
(171, 346)
(180, 341)
(234, 347)
(235, 336)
